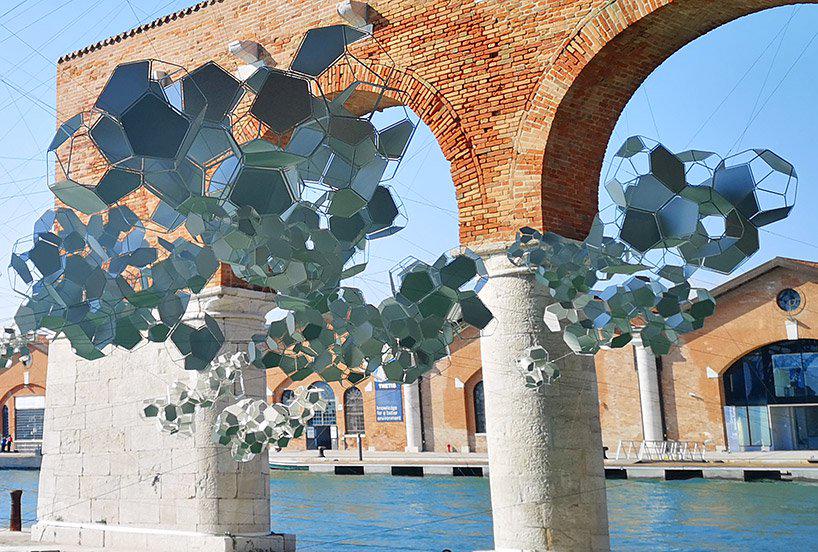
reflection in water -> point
(713, 515)
(383, 513)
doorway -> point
(322, 429)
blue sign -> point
(388, 402)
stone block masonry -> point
(111, 479)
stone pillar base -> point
(118, 538)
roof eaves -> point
(138, 30)
(762, 269)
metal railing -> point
(667, 451)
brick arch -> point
(562, 136)
(10, 393)
(425, 101)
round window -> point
(788, 300)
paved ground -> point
(21, 542)
(310, 459)
(307, 457)
(19, 461)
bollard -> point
(360, 449)
(320, 452)
(16, 519)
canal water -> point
(383, 513)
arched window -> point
(4, 430)
(287, 396)
(354, 410)
(479, 408)
(327, 417)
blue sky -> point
(747, 84)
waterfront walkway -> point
(21, 542)
(20, 461)
(346, 462)
(784, 465)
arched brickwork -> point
(562, 137)
(21, 390)
(522, 96)
(35, 389)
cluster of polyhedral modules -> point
(101, 283)
(694, 208)
(250, 426)
(537, 367)
(674, 214)
(14, 345)
(592, 316)
(339, 336)
(230, 160)
(430, 306)
(283, 177)
(175, 412)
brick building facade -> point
(695, 379)
(22, 398)
(691, 377)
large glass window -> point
(788, 375)
(781, 373)
(354, 410)
(479, 409)
(748, 427)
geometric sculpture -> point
(247, 426)
(11, 344)
(666, 202)
(269, 175)
(675, 214)
(537, 368)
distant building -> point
(22, 399)
(442, 412)
(747, 381)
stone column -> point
(648, 375)
(545, 446)
(412, 416)
(112, 480)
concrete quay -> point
(747, 466)
(345, 462)
(20, 461)
(742, 466)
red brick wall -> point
(12, 381)
(448, 399)
(522, 95)
(620, 413)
